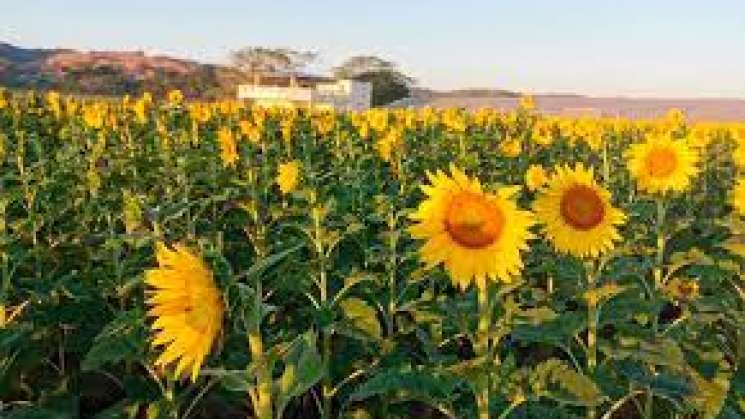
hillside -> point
(111, 72)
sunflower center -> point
(473, 221)
(582, 208)
(661, 162)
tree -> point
(260, 60)
(388, 82)
(360, 64)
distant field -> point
(696, 109)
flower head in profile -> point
(187, 308)
(576, 213)
(476, 235)
(228, 146)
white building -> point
(307, 91)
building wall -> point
(252, 91)
(343, 95)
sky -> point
(643, 48)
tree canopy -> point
(389, 83)
(258, 60)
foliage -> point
(328, 310)
(388, 82)
(256, 60)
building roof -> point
(285, 79)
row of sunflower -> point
(189, 259)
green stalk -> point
(5, 267)
(660, 243)
(327, 385)
(482, 350)
(606, 166)
(392, 288)
(261, 396)
(170, 397)
(592, 326)
(462, 147)
(657, 275)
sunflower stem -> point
(606, 166)
(462, 148)
(170, 398)
(5, 261)
(660, 241)
(392, 287)
(482, 350)
(592, 326)
(657, 274)
(327, 385)
(262, 396)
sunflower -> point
(577, 214)
(682, 289)
(510, 148)
(535, 177)
(228, 147)
(187, 307)
(175, 98)
(662, 165)
(476, 235)
(288, 176)
(738, 197)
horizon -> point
(627, 51)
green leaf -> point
(38, 413)
(710, 394)
(123, 339)
(252, 309)
(240, 381)
(303, 369)
(362, 316)
(554, 374)
(555, 331)
(122, 409)
(537, 315)
(259, 267)
(425, 386)
(664, 352)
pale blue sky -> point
(672, 48)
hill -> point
(111, 72)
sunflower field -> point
(178, 259)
